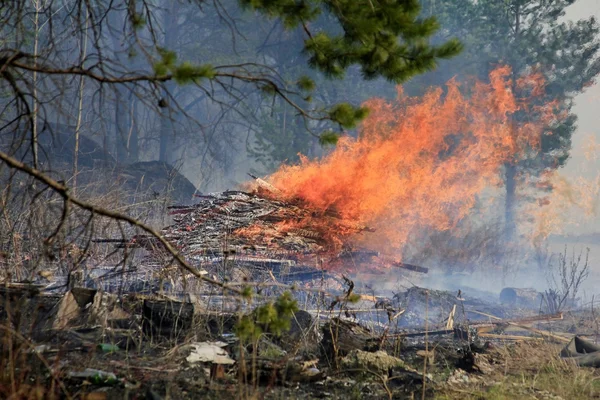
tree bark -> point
(511, 167)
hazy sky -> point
(586, 108)
(585, 155)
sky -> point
(585, 155)
(586, 107)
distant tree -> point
(529, 36)
(130, 56)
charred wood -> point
(411, 267)
(167, 319)
(342, 336)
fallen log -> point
(500, 321)
(411, 267)
(548, 335)
(583, 352)
(483, 327)
(507, 337)
(423, 333)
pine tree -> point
(529, 36)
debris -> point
(481, 326)
(439, 302)
(312, 372)
(96, 376)
(507, 337)
(83, 296)
(108, 347)
(212, 352)
(583, 352)
(411, 267)
(378, 361)
(465, 332)
(42, 348)
(458, 377)
(303, 332)
(450, 323)
(167, 319)
(68, 309)
(540, 332)
(265, 185)
(28, 310)
(217, 372)
(428, 333)
(340, 337)
(482, 364)
(270, 350)
(300, 371)
(265, 235)
(518, 297)
(105, 307)
(427, 354)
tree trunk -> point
(122, 125)
(509, 205)
(122, 110)
(511, 166)
(133, 138)
(167, 136)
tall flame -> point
(421, 162)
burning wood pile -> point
(262, 234)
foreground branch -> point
(63, 191)
(284, 94)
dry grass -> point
(528, 370)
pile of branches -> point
(258, 229)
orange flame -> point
(421, 162)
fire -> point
(421, 162)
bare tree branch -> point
(63, 191)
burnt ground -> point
(529, 369)
(45, 362)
